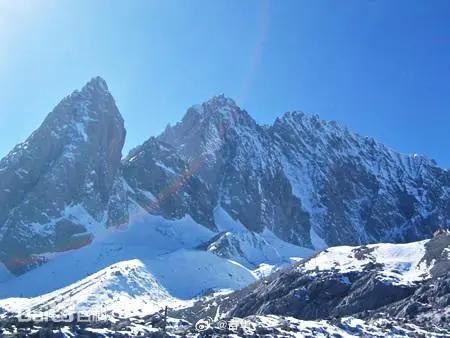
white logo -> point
(203, 324)
(222, 324)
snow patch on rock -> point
(402, 264)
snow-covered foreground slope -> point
(252, 326)
(151, 263)
(398, 290)
(125, 288)
(140, 287)
(347, 327)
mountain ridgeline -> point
(310, 182)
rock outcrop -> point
(57, 187)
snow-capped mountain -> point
(216, 202)
(58, 185)
(235, 157)
(309, 182)
(163, 184)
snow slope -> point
(151, 263)
(148, 237)
(135, 287)
(4, 273)
(125, 288)
(249, 248)
(402, 263)
(161, 243)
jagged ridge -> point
(310, 182)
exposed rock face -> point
(430, 303)
(397, 290)
(382, 284)
(234, 156)
(304, 180)
(163, 184)
(310, 181)
(324, 295)
(360, 191)
(56, 187)
(392, 281)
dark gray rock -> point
(308, 181)
(360, 191)
(62, 173)
(319, 295)
(304, 173)
(368, 293)
(235, 157)
(163, 184)
(359, 292)
(438, 253)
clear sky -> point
(380, 67)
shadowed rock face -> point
(317, 294)
(238, 160)
(311, 182)
(163, 184)
(324, 295)
(67, 167)
(303, 177)
(430, 303)
(358, 287)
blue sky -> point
(380, 67)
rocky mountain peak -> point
(96, 84)
(206, 127)
(309, 182)
(221, 100)
(78, 113)
(64, 171)
(312, 123)
(221, 106)
(220, 111)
